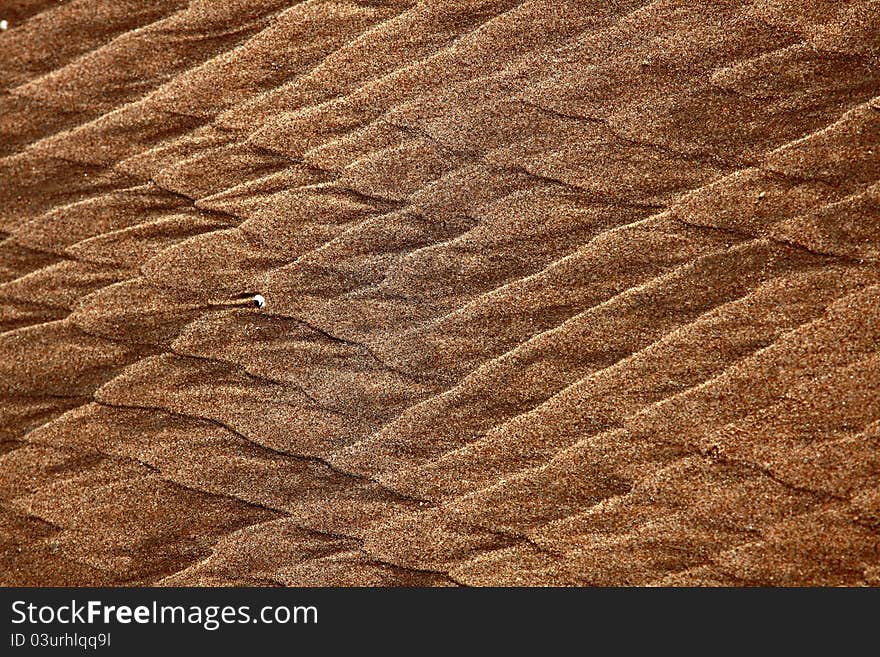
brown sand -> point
(556, 292)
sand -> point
(553, 293)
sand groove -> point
(558, 292)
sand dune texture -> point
(557, 292)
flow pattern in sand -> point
(554, 292)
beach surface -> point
(437, 293)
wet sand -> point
(556, 293)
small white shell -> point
(259, 300)
(3, 25)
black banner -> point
(128, 621)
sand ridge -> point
(556, 292)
